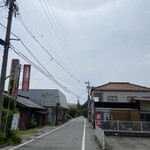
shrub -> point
(14, 137)
(32, 123)
(6, 101)
(2, 138)
(4, 114)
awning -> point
(42, 112)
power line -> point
(52, 58)
(68, 48)
(25, 58)
(45, 73)
(42, 35)
(56, 28)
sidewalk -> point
(90, 142)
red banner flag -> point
(98, 117)
(26, 78)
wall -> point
(125, 115)
(145, 105)
(122, 96)
(25, 118)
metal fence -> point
(99, 133)
(135, 126)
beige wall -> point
(121, 96)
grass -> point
(29, 131)
(34, 130)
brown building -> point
(30, 112)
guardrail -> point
(99, 133)
(136, 126)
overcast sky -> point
(107, 40)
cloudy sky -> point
(96, 40)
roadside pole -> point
(56, 123)
(88, 100)
(5, 55)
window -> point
(130, 97)
(112, 98)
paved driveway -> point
(128, 143)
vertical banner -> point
(15, 121)
(26, 78)
(14, 78)
(98, 118)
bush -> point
(10, 137)
(32, 123)
(14, 137)
(2, 138)
(6, 101)
(4, 114)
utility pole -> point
(56, 122)
(5, 55)
(88, 100)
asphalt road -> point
(75, 135)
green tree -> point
(73, 112)
(85, 112)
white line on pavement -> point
(22, 144)
(83, 139)
(42, 135)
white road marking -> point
(41, 135)
(22, 144)
(83, 139)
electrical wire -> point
(56, 30)
(51, 57)
(44, 72)
(34, 27)
(62, 33)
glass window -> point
(130, 97)
(112, 98)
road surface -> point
(75, 135)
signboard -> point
(14, 78)
(26, 78)
(15, 121)
(98, 118)
(50, 98)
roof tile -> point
(121, 86)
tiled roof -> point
(120, 86)
(28, 103)
(139, 99)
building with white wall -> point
(119, 92)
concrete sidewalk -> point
(90, 143)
